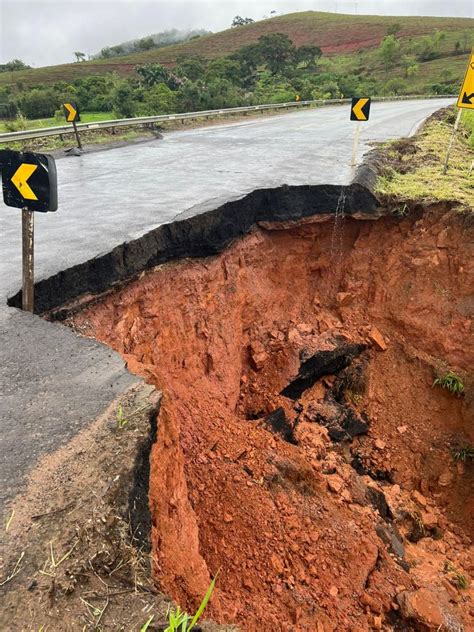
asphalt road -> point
(52, 383)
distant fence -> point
(9, 137)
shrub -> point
(123, 101)
(158, 100)
(17, 125)
(38, 103)
(8, 109)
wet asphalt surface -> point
(52, 383)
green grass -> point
(367, 64)
(451, 382)
(468, 124)
(92, 137)
(338, 35)
(86, 117)
(464, 453)
(422, 177)
(457, 578)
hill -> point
(339, 36)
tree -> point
(224, 68)
(410, 65)
(158, 99)
(427, 47)
(394, 87)
(118, 50)
(146, 43)
(221, 93)
(192, 68)
(412, 70)
(276, 50)
(14, 64)
(80, 56)
(106, 52)
(239, 21)
(327, 90)
(191, 97)
(249, 58)
(122, 99)
(308, 55)
(151, 74)
(273, 89)
(38, 103)
(389, 51)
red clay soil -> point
(289, 528)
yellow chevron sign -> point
(466, 96)
(20, 180)
(360, 109)
(29, 180)
(70, 111)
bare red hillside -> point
(335, 34)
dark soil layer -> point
(302, 450)
(197, 234)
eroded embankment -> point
(337, 504)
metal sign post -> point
(451, 141)
(71, 112)
(355, 145)
(28, 182)
(28, 245)
(78, 138)
(360, 111)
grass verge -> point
(413, 168)
(28, 124)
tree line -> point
(271, 70)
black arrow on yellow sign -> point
(71, 112)
(467, 98)
(466, 95)
(28, 180)
(20, 180)
(360, 109)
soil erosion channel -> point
(302, 450)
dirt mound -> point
(302, 450)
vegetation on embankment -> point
(22, 123)
(312, 55)
(413, 168)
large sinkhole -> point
(302, 450)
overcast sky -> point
(43, 32)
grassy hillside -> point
(344, 39)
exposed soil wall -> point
(337, 504)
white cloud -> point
(42, 32)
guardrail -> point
(149, 120)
